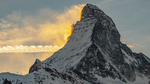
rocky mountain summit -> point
(93, 54)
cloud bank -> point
(23, 31)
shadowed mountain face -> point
(93, 54)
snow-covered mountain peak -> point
(94, 49)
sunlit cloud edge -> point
(28, 49)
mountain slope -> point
(93, 54)
(95, 47)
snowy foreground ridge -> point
(93, 54)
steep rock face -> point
(143, 64)
(36, 66)
(104, 57)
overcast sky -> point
(28, 22)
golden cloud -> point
(51, 29)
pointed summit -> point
(91, 10)
(104, 22)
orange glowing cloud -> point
(61, 27)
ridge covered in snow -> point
(93, 54)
